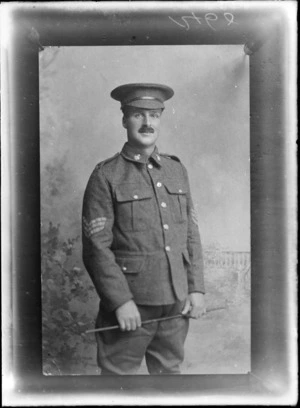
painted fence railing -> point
(236, 259)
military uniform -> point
(141, 242)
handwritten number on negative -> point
(208, 17)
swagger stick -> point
(161, 319)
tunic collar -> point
(132, 154)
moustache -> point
(146, 129)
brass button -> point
(180, 191)
(166, 226)
(164, 205)
(168, 248)
(124, 268)
(159, 184)
(135, 197)
(150, 166)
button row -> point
(163, 204)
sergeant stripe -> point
(94, 226)
(194, 216)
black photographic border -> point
(265, 30)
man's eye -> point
(137, 115)
(155, 115)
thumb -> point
(186, 308)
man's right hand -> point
(128, 316)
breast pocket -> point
(177, 192)
(134, 206)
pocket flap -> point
(130, 265)
(133, 192)
(175, 187)
(186, 256)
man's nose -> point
(147, 120)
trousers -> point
(161, 343)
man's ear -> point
(124, 122)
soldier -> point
(141, 244)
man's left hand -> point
(194, 305)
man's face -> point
(142, 126)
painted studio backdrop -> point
(206, 124)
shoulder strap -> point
(101, 164)
(170, 156)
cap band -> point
(142, 98)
